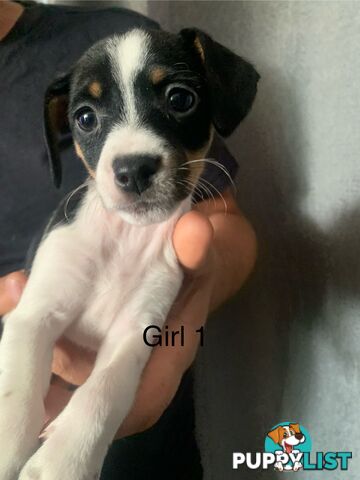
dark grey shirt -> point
(46, 41)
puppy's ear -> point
(275, 434)
(232, 81)
(56, 122)
(295, 427)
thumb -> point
(192, 239)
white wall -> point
(140, 6)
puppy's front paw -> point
(62, 456)
(48, 466)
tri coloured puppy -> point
(142, 108)
(288, 437)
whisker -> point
(199, 187)
(192, 187)
(207, 190)
(219, 193)
(216, 164)
(200, 190)
(70, 195)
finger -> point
(72, 363)
(11, 288)
(56, 400)
(192, 238)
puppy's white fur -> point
(99, 281)
(128, 55)
(84, 284)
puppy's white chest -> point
(134, 275)
(109, 290)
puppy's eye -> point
(180, 100)
(86, 119)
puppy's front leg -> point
(77, 441)
(45, 310)
(23, 357)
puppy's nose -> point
(133, 173)
(299, 436)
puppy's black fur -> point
(224, 83)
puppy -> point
(288, 436)
(142, 109)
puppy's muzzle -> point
(134, 173)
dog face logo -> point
(288, 447)
(289, 437)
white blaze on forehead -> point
(129, 140)
(128, 55)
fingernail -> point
(14, 288)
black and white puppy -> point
(142, 108)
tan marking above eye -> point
(157, 75)
(57, 111)
(95, 89)
(199, 48)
